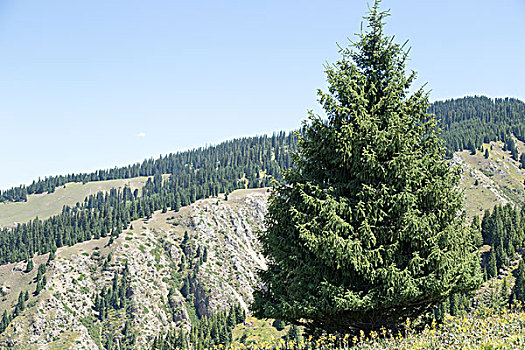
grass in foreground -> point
(489, 330)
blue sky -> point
(86, 85)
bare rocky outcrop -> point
(229, 230)
(55, 319)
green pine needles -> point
(367, 229)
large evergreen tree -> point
(365, 231)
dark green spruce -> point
(365, 231)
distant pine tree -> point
(491, 267)
(294, 334)
(477, 238)
(278, 324)
(519, 287)
(29, 266)
(471, 147)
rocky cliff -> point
(178, 266)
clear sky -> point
(86, 85)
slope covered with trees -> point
(196, 174)
(103, 214)
(468, 122)
(465, 123)
(199, 173)
(244, 158)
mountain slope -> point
(170, 278)
(466, 123)
(497, 179)
(62, 315)
(45, 205)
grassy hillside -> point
(14, 279)
(497, 179)
(45, 205)
(500, 180)
(493, 330)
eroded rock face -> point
(228, 229)
(55, 319)
(63, 315)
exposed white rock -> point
(227, 229)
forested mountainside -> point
(466, 123)
(469, 122)
(220, 167)
(204, 172)
(196, 174)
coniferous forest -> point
(468, 122)
(196, 174)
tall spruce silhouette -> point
(365, 231)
